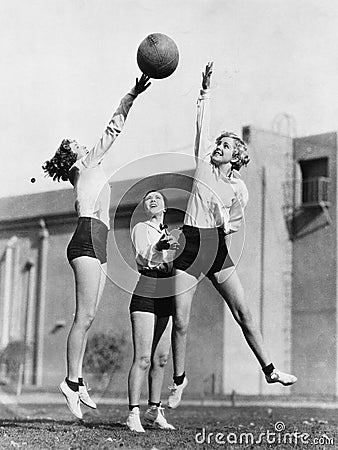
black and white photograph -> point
(168, 217)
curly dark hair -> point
(240, 155)
(58, 167)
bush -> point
(104, 354)
(13, 356)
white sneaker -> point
(154, 417)
(276, 376)
(176, 393)
(134, 422)
(72, 399)
(84, 397)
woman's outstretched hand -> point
(142, 84)
(206, 75)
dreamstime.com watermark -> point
(276, 436)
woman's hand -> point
(206, 75)
(174, 245)
(167, 242)
(142, 84)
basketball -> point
(157, 56)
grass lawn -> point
(35, 427)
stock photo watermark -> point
(277, 435)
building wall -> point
(60, 303)
(14, 280)
(264, 267)
(314, 309)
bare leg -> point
(103, 278)
(87, 272)
(154, 415)
(143, 324)
(159, 357)
(185, 287)
(232, 292)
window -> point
(315, 181)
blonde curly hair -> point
(240, 156)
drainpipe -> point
(15, 332)
(29, 325)
(262, 265)
(40, 304)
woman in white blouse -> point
(215, 209)
(151, 309)
(87, 250)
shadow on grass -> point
(55, 424)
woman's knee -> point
(85, 320)
(245, 318)
(181, 325)
(143, 362)
(160, 360)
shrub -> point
(104, 354)
(13, 356)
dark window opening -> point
(315, 181)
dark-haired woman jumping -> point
(87, 250)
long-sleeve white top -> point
(91, 187)
(144, 236)
(216, 200)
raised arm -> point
(115, 124)
(202, 140)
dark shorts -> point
(153, 294)
(204, 251)
(89, 239)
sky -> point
(67, 63)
